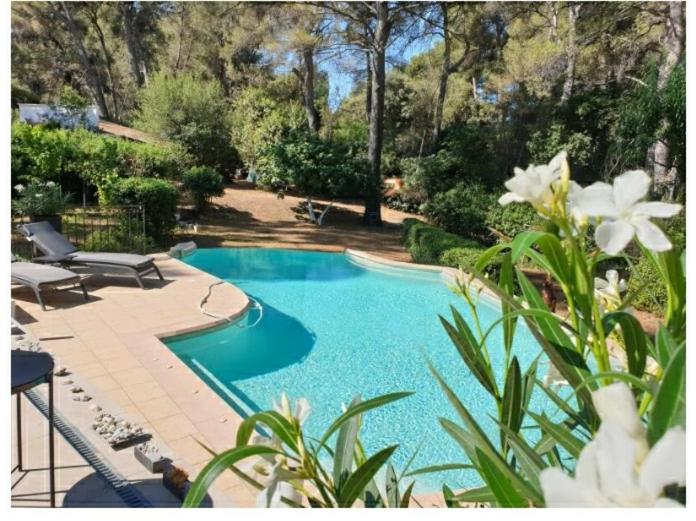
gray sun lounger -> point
(58, 250)
(39, 277)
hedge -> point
(429, 244)
(75, 157)
(159, 197)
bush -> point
(117, 240)
(157, 196)
(462, 209)
(73, 157)
(261, 119)
(203, 183)
(313, 166)
(512, 219)
(645, 282)
(429, 244)
(193, 113)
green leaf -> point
(217, 466)
(668, 408)
(345, 447)
(507, 284)
(391, 487)
(502, 489)
(634, 339)
(512, 401)
(440, 468)
(449, 497)
(361, 408)
(665, 346)
(485, 258)
(560, 433)
(406, 499)
(476, 495)
(529, 461)
(471, 356)
(275, 421)
(357, 481)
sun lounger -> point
(39, 277)
(58, 250)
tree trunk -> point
(444, 77)
(91, 72)
(368, 85)
(128, 11)
(107, 58)
(665, 173)
(571, 53)
(373, 186)
(307, 85)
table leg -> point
(19, 431)
(51, 455)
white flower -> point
(608, 292)
(50, 184)
(277, 488)
(19, 188)
(618, 468)
(534, 185)
(302, 409)
(623, 213)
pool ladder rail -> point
(255, 304)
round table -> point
(30, 369)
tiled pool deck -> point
(111, 347)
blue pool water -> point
(332, 330)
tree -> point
(192, 112)
(665, 172)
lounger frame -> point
(55, 286)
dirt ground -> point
(245, 216)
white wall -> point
(42, 113)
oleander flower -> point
(275, 467)
(534, 185)
(608, 291)
(618, 468)
(624, 214)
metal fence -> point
(95, 228)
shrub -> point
(260, 119)
(39, 199)
(512, 219)
(118, 240)
(462, 209)
(193, 113)
(645, 282)
(203, 183)
(157, 196)
(73, 157)
(313, 166)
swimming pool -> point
(333, 329)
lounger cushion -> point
(121, 259)
(39, 274)
(47, 239)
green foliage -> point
(429, 244)
(39, 198)
(157, 196)
(259, 119)
(193, 113)
(73, 157)
(313, 166)
(203, 183)
(543, 145)
(353, 473)
(645, 284)
(462, 209)
(118, 240)
(511, 220)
